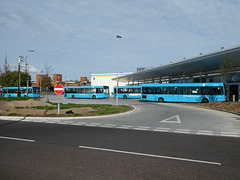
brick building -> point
(57, 78)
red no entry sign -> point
(58, 89)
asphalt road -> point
(153, 116)
(52, 151)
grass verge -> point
(99, 109)
(17, 98)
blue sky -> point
(78, 37)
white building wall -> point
(106, 80)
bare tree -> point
(6, 67)
(226, 73)
(47, 69)
(46, 81)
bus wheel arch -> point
(94, 97)
(160, 99)
(124, 97)
(73, 96)
(205, 100)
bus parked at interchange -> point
(183, 92)
(127, 92)
(25, 91)
(94, 92)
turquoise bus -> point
(183, 92)
(25, 91)
(127, 92)
(94, 92)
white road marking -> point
(185, 131)
(202, 133)
(161, 130)
(229, 134)
(174, 119)
(97, 124)
(17, 139)
(142, 128)
(150, 155)
(92, 125)
(124, 127)
(108, 125)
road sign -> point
(58, 89)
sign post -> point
(58, 89)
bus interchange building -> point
(200, 69)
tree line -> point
(9, 78)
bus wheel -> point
(205, 100)
(160, 100)
(73, 96)
(94, 97)
(124, 97)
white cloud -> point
(33, 70)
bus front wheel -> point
(160, 100)
(124, 97)
(94, 97)
(73, 96)
(205, 100)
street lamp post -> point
(118, 37)
(20, 59)
(26, 67)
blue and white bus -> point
(25, 91)
(94, 92)
(127, 92)
(184, 92)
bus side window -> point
(195, 90)
(205, 91)
(130, 90)
(125, 90)
(216, 91)
(99, 90)
(136, 90)
(165, 90)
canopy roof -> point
(202, 64)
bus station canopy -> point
(201, 65)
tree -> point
(10, 79)
(226, 73)
(47, 81)
(6, 67)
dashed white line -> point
(142, 128)
(151, 155)
(17, 139)
(97, 124)
(184, 131)
(161, 129)
(125, 127)
(203, 131)
(108, 125)
(229, 134)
